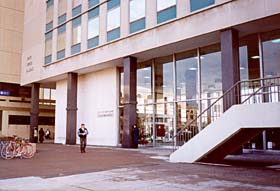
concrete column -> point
(124, 18)
(130, 66)
(183, 8)
(68, 30)
(103, 23)
(84, 26)
(71, 110)
(230, 65)
(34, 114)
(54, 34)
(151, 13)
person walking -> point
(135, 135)
(83, 132)
(41, 135)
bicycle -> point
(17, 148)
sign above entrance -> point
(105, 113)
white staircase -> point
(247, 118)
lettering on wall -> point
(29, 64)
(105, 113)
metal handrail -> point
(232, 88)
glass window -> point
(76, 3)
(187, 75)
(93, 23)
(166, 10)
(113, 19)
(92, 3)
(93, 28)
(76, 10)
(249, 58)
(62, 19)
(76, 35)
(199, 4)
(164, 4)
(49, 26)
(113, 34)
(137, 15)
(113, 3)
(137, 10)
(144, 84)
(48, 47)
(49, 11)
(211, 71)
(164, 79)
(271, 53)
(62, 7)
(61, 41)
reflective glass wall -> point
(173, 90)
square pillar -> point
(130, 66)
(230, 66)
(34, 113)
(71, 110)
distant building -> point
(15, 99)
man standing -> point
(83, 132)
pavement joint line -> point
(213, 164)
(80, 187)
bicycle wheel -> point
(3, 150)
(9, 152)
(27, 151)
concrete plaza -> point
(60, 167)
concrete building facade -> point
(15, 99)
(154, 63)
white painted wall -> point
(265, 115)
(97, 93)
(60, 111)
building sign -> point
(105, 113)
(29, 64)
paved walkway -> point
(58, 167)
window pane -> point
(113, 3)
(76, 35)
(187, 75)
(48, 44)
(163, 4)
(113, 34)
(61, 41)
(75, 3)
(164, 79)
(93, 42)
(60, 54)
(62, 19)
(62, 6)
(49, 26)
(144, 85)
(113, 19)
(211, 71)
(49, 11)
(92, 3)
(137, 25)
(76, 11)
(199, 4)
(137, 10)
(93, 27)
(166, 14)
(271, 54)
(76, 48)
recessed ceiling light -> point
(255, 57)
(276, 40)
(242, 68)
(193, 68)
